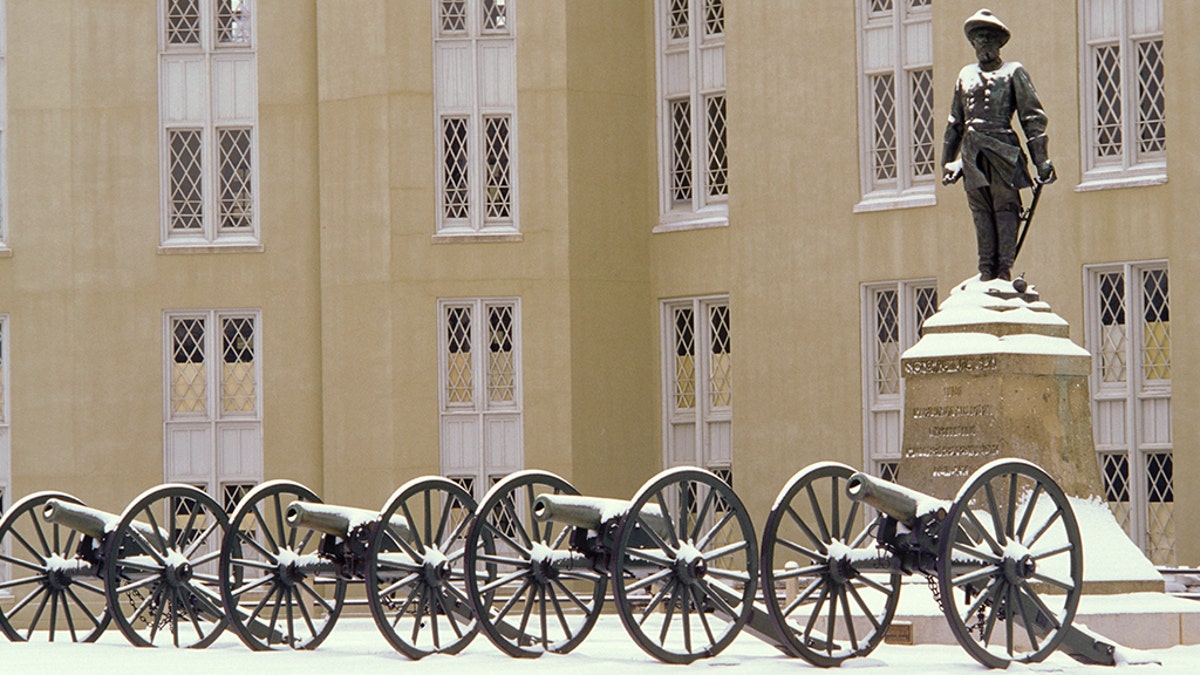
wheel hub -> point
(1019, 568)
(690, 566)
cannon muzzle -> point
(592, 512)
(897, 501)
(92, 522)
(338, 521)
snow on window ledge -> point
(195, 249)
(682, 221)
(477, 237)
(1113, 179)
(885, 201)
(5, 252)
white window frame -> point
(897, 43)
(883, 412)
(483, 440)
(4, 249)
(710, 441)
(208, 88)
(474, 77)
(220, 467)
(1131, 417)
(691, 69)
(1126, 24)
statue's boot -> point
(985, 237)
(1007, 223)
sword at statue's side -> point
(1027, 216)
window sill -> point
(693, 220)
(1112, 180)
(5, 252)
(479, 238)
(200, 249)
(886, 201)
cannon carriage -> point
(152, 569)
(288, 559)
(681, 558)
(1004, 560)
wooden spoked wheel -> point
(685, 566)
(55, 593)
(830, 591)
(279, 589)
(160, 568)
(531, 593)
(1010, 564)
(416, 581)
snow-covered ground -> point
(355, 646)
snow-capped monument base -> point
(994, 375)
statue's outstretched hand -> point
(951, 172)
(1046, 173)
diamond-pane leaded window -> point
(718, 163)
(208, 112)
(233, 22)
(495, 15)
(681, 151)
(1152, 133)
(235, 202)
(1129, 334)
(232, 493)
(1123, 88)
(697, 363)
(1156, 305)
(1112, 345)
(1109, 138)
(714, 17)
(678, 19)
(892, 316)
(183, 22)
(921, 82)
(720, 371)
(502, 370)
(186, 194)
(498, 186)
(887, 342)
(693, 112)
(897, 102)
(460, 376)
(685, 359)
(239, 376)
(456, 187)
(883, 103)
(189, 376)
(475, 100)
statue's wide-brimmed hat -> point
(984, 18)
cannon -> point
(287, 559)
(681, 557)
(1004, 560)
(152, 569)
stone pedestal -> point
(996, 375)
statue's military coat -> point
(980, 121)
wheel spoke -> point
(817, 514)
(812, 536)
(797, 548)
(712, 531)
(1044, 528)
(329, 609)
(22, 563)
(994, 511)
(862, 605)
(1029, 507)
(657, 600)
(84, 608)
(651, 579)
(991, 542)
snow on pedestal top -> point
(967, 323)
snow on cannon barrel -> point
(904, 504)
(92, 522)
(592, 513)
(339, 521)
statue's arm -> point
(952, 140)
(1033, 122)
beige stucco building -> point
(350, 242)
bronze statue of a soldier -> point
(986, 97)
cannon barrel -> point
(92, 522)
(592, 512)
(338, 521)
(903, 504)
